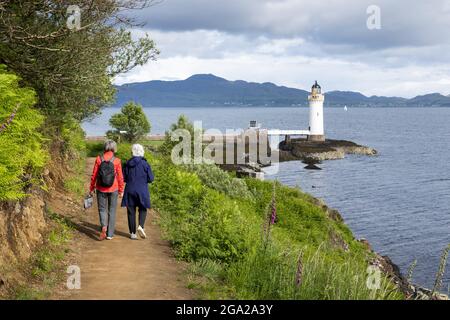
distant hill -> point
(207, 90)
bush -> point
(217, 230)
(21, 152)
(217, 179)
(200, 222)
(130, 125)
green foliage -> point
(70, 69)
(222, 235)
(46, 265)
(182, 123)
(305, 222)
(74, 151)
(47, 258)
(217, 224)
(441, 271)
(94, 148)
(131, 120)
(21, 153)
(217, 179)
(199, 221)
(74, 139)
(271, 272)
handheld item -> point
(88, 201)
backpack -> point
(106, 173)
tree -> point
(130, 125)
(71, 69)
(182, 123)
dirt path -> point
(126, 269)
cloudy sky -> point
(294, 42)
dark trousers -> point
(132, 218)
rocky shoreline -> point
(310, 152)
(385, 264)
(302, 149)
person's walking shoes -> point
(102, 234)
(109, 238)
(133, 236)
(141, 232)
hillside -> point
(209, 90)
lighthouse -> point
(316, 99)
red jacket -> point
(118, 182)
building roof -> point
(316, 86)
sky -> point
(344, 44)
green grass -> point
(221, 235)
(93, 148)
(76, 149)
(46, 265)
(74, 182)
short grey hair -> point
(110, 145)
(137, 150)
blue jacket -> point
(137, 174)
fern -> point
(21, 152)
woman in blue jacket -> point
(137, 174)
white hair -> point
(137, 150)
(110, 145)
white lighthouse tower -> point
(316, 99)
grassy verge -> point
(257, 240)
(76, 150)
(46, 267)
(74, 183)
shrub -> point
(130, 125)
(21, 152)
(217, 179)
(200, 222)
(218, 229)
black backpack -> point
(106, 173)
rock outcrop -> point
(302, 149)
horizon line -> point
(278, 85)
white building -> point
(316, 99)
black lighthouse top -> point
(317, 88)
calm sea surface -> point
(398, 200)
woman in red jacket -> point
(107, 179)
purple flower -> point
(299, 274)
(10, 119)
(273, 216)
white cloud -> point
(300, 72)
(293, 42)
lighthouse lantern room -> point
(316, 99)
